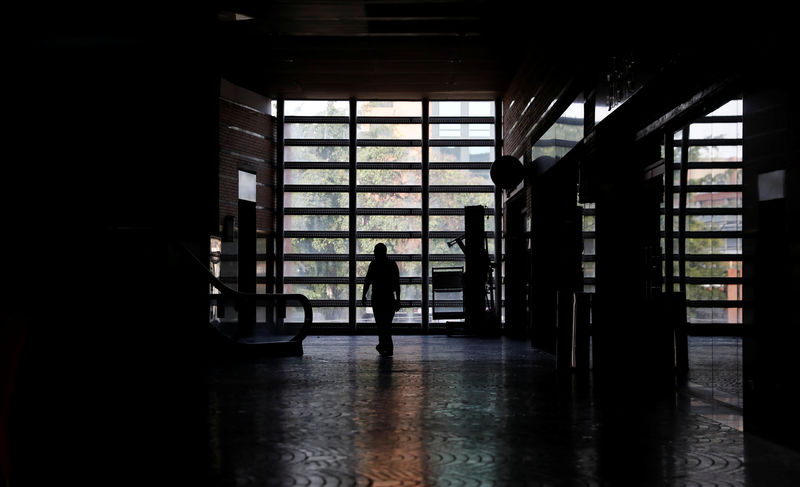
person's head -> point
(380, 250)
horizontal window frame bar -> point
(395, 257)
(389, 143)
(305, 210)
(390, 211)
(389, 120)
(718, 119)
(455, 189)
(389, 165)
(346, 257)
(387, 234)
(316, 188)
(709, 142)
(714, 280)
(315, 257)
(388, 188)
(316, 143)
(707, 303)
(456, 212)
(460, 165)
(330, 303)
(316, 165)
(714, 188)
(343, 119)
(460, 120)
(462, 142)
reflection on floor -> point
(465, 411)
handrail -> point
(240, 296)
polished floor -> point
(447, 411)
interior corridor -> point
(466, 411)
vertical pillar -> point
(279, 209)
(498, 214)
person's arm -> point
(367, 283)
(397, 288)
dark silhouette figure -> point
(384, 278)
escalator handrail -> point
(227, 292)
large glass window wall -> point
(710, 150)
(356, 173)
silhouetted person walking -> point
(384, 278)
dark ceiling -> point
(392, 48)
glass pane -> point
(407, 268)
(588, 223)
(389, 109)
(393, 245)
(588, 269)
(715, 130)
(733, 107)
(460, 200)
(715, 153)
(316, 131)
(707, 223)
(712, 269)
(315, 200)
(460, 177)
(316, 176)
(389, 223)
(714, 292)
(303, 153)
(321, 315)
(316, 268)
(588, 246)
(389, 200)
(462, 108)
(389, 131)
(247, 186)
(405, 315)
(711, 176)
(461, 154)
(461, 131)
(408, 292)
(315, 245)
(316, 108)
(714, 200)
(446, 223)
(316, 223)
(388, 154)
(449, 223)
(714, 315)
(318, 291)
(713, 245)
(440, 246)
(389, 177)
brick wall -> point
(246, 143)
(527, 99)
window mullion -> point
(352, 217)
(425, 212)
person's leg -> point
(383, 320)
